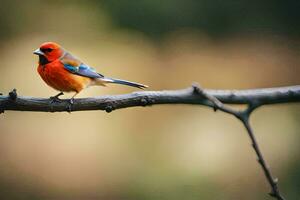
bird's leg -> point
(71, 102)
(55, 98)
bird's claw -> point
(55, 98)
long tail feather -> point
(124, 82)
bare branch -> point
(244, 117)
(272, 181)
(146, 98)
(195, 95)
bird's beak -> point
(38, 52)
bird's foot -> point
(70, 105)
(55, 99)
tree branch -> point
(194, 95)
(146, 98)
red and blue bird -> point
(66, 73)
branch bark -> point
(195, 95)
(144, 98)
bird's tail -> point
(122, 82)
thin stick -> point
(244, 117)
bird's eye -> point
(48, 50)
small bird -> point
(66, 73)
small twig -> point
(244, 117)
(272, 181)
(199, 90)
(217, 104)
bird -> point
(67, 73)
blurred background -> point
(162, 152)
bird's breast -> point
(56, 76)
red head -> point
(48, 52)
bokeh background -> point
(162, 152)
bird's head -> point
(48, 52)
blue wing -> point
(83, 70)
(75, 66)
